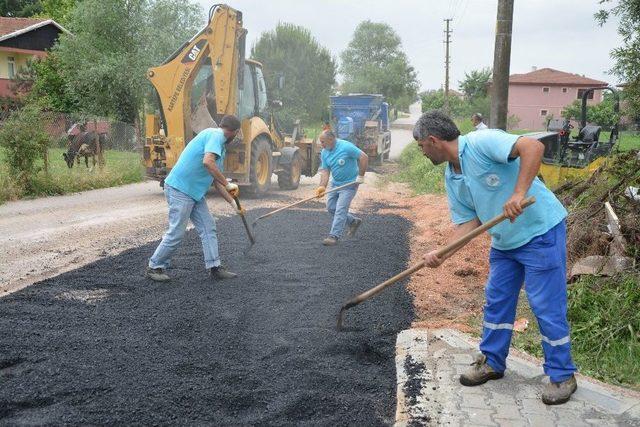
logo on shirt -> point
(492, 180)
(341, 162)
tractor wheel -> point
(261, 166)
(289, 179)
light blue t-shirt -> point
(487, 181)
(342, 162)
(189, 174)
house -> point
(540, 95)
(20, 40)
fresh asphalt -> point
(103, 345)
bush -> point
(419, 172)
(25, 142)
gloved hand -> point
(320, 191)
(232, 189)
(360, 179)
(241, 211)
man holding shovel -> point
(489, 173)
(345, 163)
(199, 165)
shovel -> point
(299, 202)
(252, 240)
(441, 252)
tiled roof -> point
(551, 76)
(10, 25)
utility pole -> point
(447, 41)
(501, 61)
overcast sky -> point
(560, 34)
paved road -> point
(102, 345)
(401, 134)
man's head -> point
(328, 139)
(476, 119)
(433, 133)
(230, 126)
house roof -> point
(549, 76)
(12, 27)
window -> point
(581, 92)
(543, 113)
(12, 67)
(247, 104)
(565, 90)
(545, 90)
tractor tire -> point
(289, 178)
(261, 166)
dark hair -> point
(435, 123)
(478, 116)
(230, 123)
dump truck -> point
(363, 119)
(567, 159)
(207, 78)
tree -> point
(474, 84)
(375, 63)
(104, 61)
(308, 70)
(20, 8)
(58, 10)
(627, 57)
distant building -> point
(22, 39)
(537, 96)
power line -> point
(447, 42)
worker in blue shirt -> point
(200, 164)
(345, 163)
(489, 173)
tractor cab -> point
(568, 158)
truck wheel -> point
(261, 166)
(289, 179)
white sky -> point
(560, 34)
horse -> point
(83, 144)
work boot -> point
(480, 372)
(559, 393)
(330, 241)
(353, 227)
(221, 273)
(157, 274)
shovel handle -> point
(244, 220)
(299, 202)
(455, 245)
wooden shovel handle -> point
(299, 202)
(450, 247)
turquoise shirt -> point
(487, 181)
(189, 174)
(342, 162)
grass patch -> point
(121, 167)
(418, 171)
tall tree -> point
(113, 43)
(627, 56)
(20, 8)
(58, 10)
(474, 84)
(309, 70)
(375, 63)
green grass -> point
(120, 168)
(605, 328)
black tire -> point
(289, 178)
(261, 166)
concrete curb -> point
(419, 352)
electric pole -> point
(447, 41)
(501, 61)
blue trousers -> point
(181, 209)
(541, 264)
(338, 206)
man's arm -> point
(324, 177)
(530, 152)
(225, 194)
(460, 230)
(209, 162)
(363, 162)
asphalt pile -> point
(103, 345)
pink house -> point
(537, 96)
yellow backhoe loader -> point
(207, 78)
